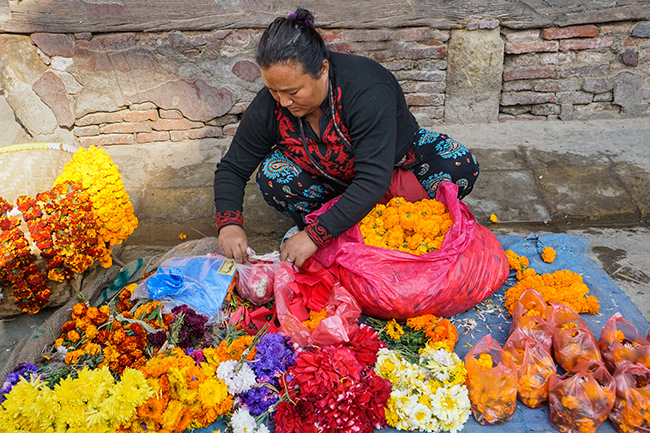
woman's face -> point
(299, 92)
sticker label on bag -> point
(227, 267)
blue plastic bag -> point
(201, 282)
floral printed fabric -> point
(434, 158)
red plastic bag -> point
(573, 341)
(535, 365)
(492, 389)
(532, 315)
(581, 400)
(470, 266)
(256, 277)
(620, 341)
(631, 411)
(291, 305)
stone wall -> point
(166, 104)
(576, 73)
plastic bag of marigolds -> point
(532, 315)
(631, 411)
(396, 273)
(581, 400)
(573, 341)
(620, 341)
(535, 366)
(492, 382)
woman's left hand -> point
(298, 248)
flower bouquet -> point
(492, 382)
(535, 366)
(631, 411)
(620, 342)
(573, 341)
(427, 377)
(581, 400)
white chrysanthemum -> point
(242, 421)
(451, 406)
(237, 381)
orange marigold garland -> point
(563, 286)
(416, 228)
(17, 264)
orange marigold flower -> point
(73, 336)
(548, 254)
(79, 309)
(517, 262)
(315, 317)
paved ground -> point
(589, 178)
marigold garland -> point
(99, 176)
(76, 222)
(564, 287)
(416, 228)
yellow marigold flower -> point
(548, 254)
(493, 218)
(485, 361)
(394, 329)
(417, 228)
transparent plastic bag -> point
(620, 341)
(631, 411)
(470, 266)
(341, 321)
(535, 365)
(256, 277)
(492, 390)
(201, 282)
(573, 340)
(581, 399)
(532, 315)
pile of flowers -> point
(417, 228)
(562, 286)
(135, 365)
(69, 227)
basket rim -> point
(38, 146)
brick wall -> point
(580, 72)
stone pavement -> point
(581, 177)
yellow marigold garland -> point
(416, 228)
(99, 176)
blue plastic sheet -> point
(201, 282)
(572, 254)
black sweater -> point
(371, 112)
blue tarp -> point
(572, 254)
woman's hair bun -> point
(303, 15)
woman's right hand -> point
(233, 243)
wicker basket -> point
(27, 169)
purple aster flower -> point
(22, 370)
(259, 400)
